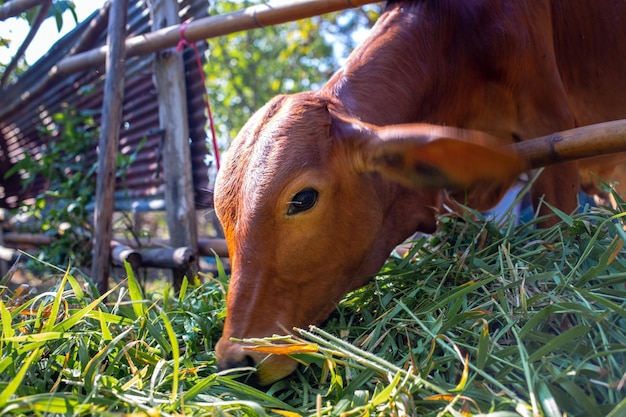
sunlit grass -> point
(479, 319)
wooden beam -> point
(28, 239)
(169, 70)
(174, 258)
(42, 14)
(89, 36)
(121, 253)
(207, 246)
(210, 27)
(15, 7)
(108, 144)
(205, 28)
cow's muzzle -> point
(269, 368)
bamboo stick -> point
(95, 28)
(14, 238)
(177, 258)
(169, 258)
(169, 76)
(9, 255)
(15, 7)
(121, 253)
(206, 245)
(154, 257)
(568, 145)
(108, 143)
(209, 27)
(42, 14)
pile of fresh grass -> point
(479, 319)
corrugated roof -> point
(19, 131)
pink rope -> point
(181, 45)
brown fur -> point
(512, 69)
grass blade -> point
(175, 354)
(15, 383)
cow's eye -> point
(303, 200)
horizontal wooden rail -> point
(210, 27)
(207, 246)
(207, 27)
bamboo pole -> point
(91, 33)
(15, 7)
(212, 246)
(205, 28)
(209, 27)
(169, 73)
(174, 258)
(165, 257)
(109, 139)
(8, 255)
(207, 246)
(42, 14)
(29, 239)
(121, 253)
(568, 145)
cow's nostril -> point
(268, 368)
(242, 365)
(240, 362)
(249, 360)
(232, 355)
(236, 362)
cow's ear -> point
(471, 164)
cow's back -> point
(590, 46)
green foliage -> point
(60, 210)
(67, 352)
(480, 319)
(245, 70)
(58, 8)
(63, 162)
(535, 318)
(61, 6)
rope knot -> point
(183, 40)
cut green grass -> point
(479, 319)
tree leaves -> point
(246, 69)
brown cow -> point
(313, 197)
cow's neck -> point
(426, 62)
(386, 82)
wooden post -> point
(170, 79)
(108, 144)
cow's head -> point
(312, 202)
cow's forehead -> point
(287, 136)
